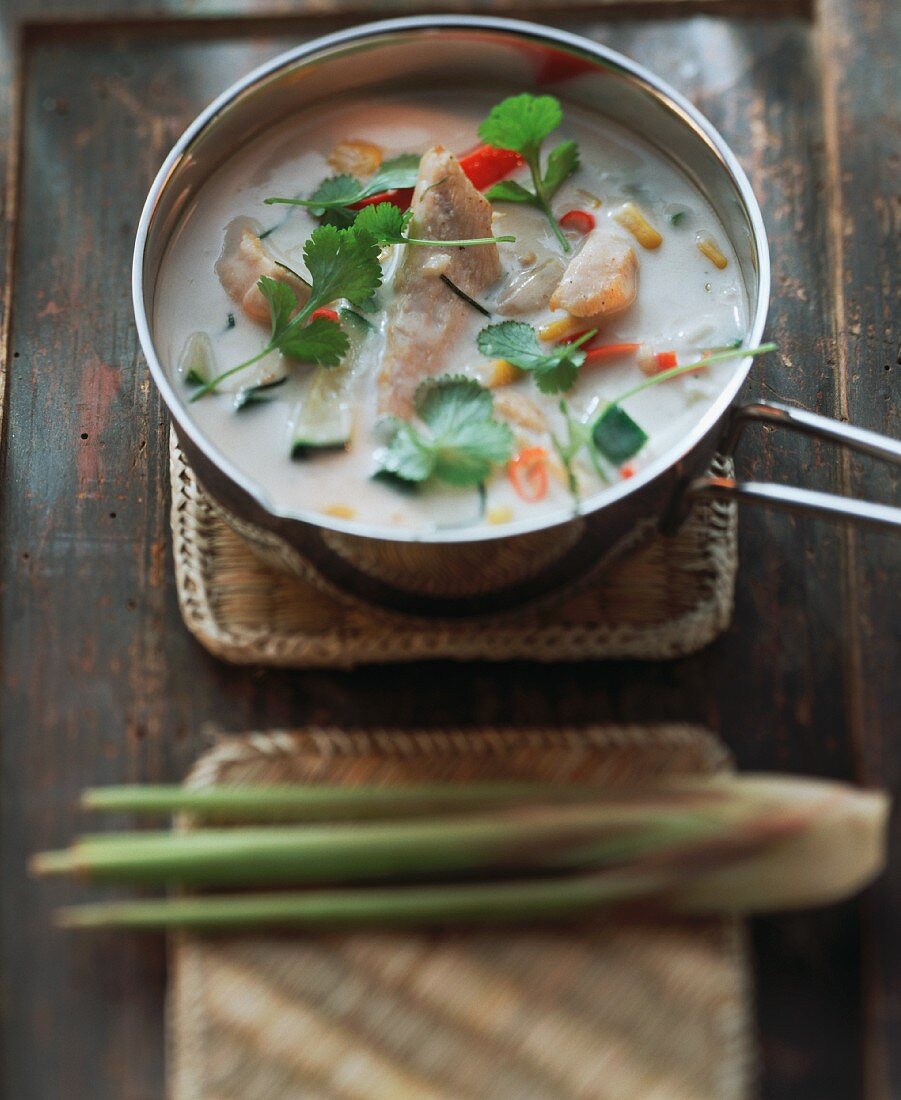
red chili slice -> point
(666, 360)
(527, 472)
(578, 220)
(328, 314)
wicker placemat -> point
(670, 598)
(595, 1011)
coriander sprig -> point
(389, 225)
(555, 368)
(343, 263)
(459, 441)
(521, 123)
(335, 196)
(613, 435)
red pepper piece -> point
(610, 351)
(485, 165)
(580, 221)
(666, 360)
(400, 198)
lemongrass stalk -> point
(827, 848)
(385, 907)
(545, 837)
(323, 803)
(766, 812)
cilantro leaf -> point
(342, 264)
(321, 341)
(334, 191)
(561, 163)
(555, 368)
(385, 221)
(282, 303)
(452, 402)
(510, 191)
(409, 456)
(393, 175)
(521, 123)
(460, 442)
(616, 435)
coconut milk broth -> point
(684, 304)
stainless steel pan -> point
(454, 572)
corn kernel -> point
(502, 373)
(341, 511)
(631, 218)
(499, 515)
(708, 247)
(559, 330)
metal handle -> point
(789, 497)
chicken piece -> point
(522, 413)
(600, 281)
(426, 317)
(243, 260)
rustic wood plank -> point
(862, 90)
(102, 683)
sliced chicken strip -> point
(425, 317)
(601, 280)
(243, 260)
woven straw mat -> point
(590, 1010)
(670, 598)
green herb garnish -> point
(613, 434)
(459, 441)
(521, 123)
(555, 368)
(335, 196)
(389, 225)
(343, 263)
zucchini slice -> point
(197, 361)
(324, 418)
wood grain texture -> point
(862, 90)
(102, 683)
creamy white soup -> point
(619, 276)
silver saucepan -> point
(466, 572)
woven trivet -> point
(594, 1010)
(670, 598)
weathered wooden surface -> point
(102, 683)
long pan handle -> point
(792, 498)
